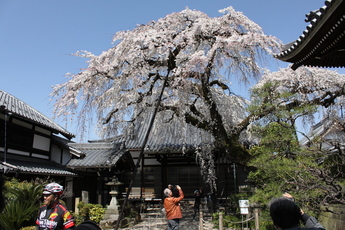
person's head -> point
(284, 213)
(88, 225)
(167, 192)
(52, 193)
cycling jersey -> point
(54, 218)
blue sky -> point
(38, 36)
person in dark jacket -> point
(197, 194)
(53, 215)
(286, 214)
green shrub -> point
(21, 204)
(265, 221)
(235, 221)
(93, 212)
(29, 228)
(97, 213)
(228, 221)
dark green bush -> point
(94, 212)
(22, 200)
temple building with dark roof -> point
(322, 43)
(33, 146)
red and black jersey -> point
(54, 218)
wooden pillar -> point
(164, 172)
(142, 184)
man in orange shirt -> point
(172, 208)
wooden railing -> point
(147, 193)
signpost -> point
(244, 209)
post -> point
(85, 196)
(220, 220)
(256, 214)
(201, 224)
(76, 209)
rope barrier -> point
(239, 222)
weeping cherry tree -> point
(197, 57)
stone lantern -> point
(112, 213)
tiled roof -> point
(27, 165)
(174, 136)
(20, 109)
(97, 155)
(322, 44)
(327, 126)
(60, 141)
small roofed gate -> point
(181, 169)
(156, 178)
(97, 164)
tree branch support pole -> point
(141, 153)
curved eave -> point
(17, 108)
(33, 168)
(322, 44)
(54, 128)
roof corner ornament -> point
(311, 15)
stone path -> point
(155, 220)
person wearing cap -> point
(172, 208)
(53, 215)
